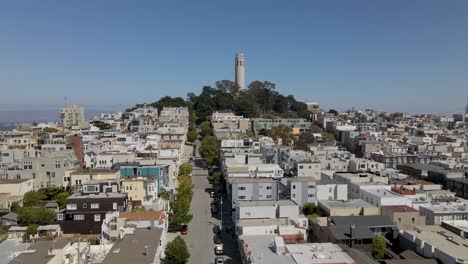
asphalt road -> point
(200, 234)
(200, 230)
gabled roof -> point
(10, 216)
(343, 232)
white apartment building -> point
(71, 115)
(383, 197)
(436, 213)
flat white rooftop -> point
(315, 253)
(457, 207)
(356, 203)
(265, 203)
(441, 239)
(381, 192)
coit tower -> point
(240, 71)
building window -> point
(242, 197)
(399, 220)
(294, 186)
(268, 196)
(85, 205)
(268, 187)
(412, 220)
(78, 217)
(310, 186)
(94, 206)
(60, 217)
(91, 188)
(241, 188)
(72, 207)
(294, 195)
(310, 195)
(114, 206)
(97, 218)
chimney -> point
(146, 251)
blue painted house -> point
(135, 169)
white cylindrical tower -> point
(240, 71)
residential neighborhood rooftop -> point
(131, 248)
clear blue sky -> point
(388, 55)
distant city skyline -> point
(389, 56)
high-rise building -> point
(71, 115)
(240, 71)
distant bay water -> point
(9, 117)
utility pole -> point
(221, 213)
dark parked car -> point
(219, 260)
(217, 239)
(173, 229)
(214, 209)
(184, 230)
(216, 229)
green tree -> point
(333, 111)
(217, 178)
(191, 135)
(102, 125)
(245, 106)
(49, 130)
(309, 209)
(281, 132)
(164, 194)
(192, 120)
(209, 149)
(378, 247)
(168, 101)
(62, 199)
(15, 207)
(206, 129)
(303, 140)
(185, 169)
(30, 231)
(32, 197)
(227, 86)
(50, 193)
(177, 252)
(329, 137)
(181, 206)
(138, 209)
(32, 215)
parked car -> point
(217, 239)
(218, 249)
(212, 194)
(173, 229)
(184, 230)
(219, 260)
(216, 229)
(214, 209)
